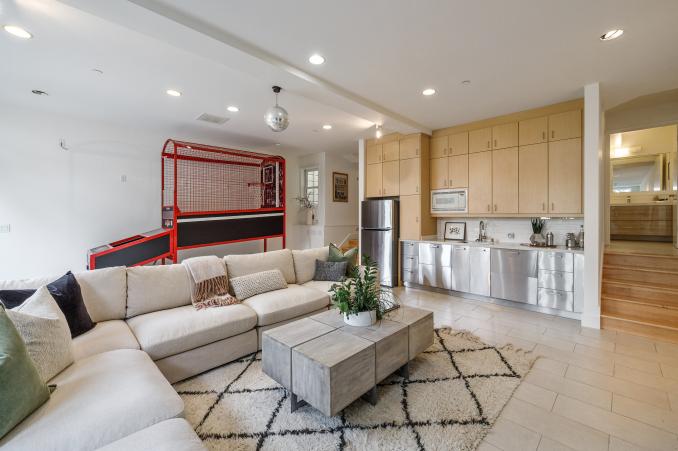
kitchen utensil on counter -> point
(549, 239)
(580, 239)
(570, 241)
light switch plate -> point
(5, 228)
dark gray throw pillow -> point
(330, 271)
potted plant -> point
(305, 203)
(359, 297)
(537, 227)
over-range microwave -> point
(449, 201)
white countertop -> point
(517, 246)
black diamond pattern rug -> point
(455, 392)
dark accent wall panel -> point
(134, 254)
(217, 231)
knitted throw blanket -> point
(209, 283)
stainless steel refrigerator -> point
(379, 237)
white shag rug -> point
(455, 392)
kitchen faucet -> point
(482, 233)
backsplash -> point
(500, 228)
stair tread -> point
(635, 300)
(632, 283)
(641, 268)
(644, 323)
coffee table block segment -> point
(391, 344)
(277, 344)
(332, 371)
(420, 324)
(331, 317)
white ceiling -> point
(380, 55)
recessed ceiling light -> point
(612, 34)
(233, 109)
(428, 91)
(98, 71)
(327, 127)
(316, 59)
(38, 92)
(277, 144)
(17, 31)
(173, 93)
(466, 82)
(378, 131)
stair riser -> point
(639, 329)
(632, 275)
(644, 294)
(640, 312)
(642, 261)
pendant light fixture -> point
(378, 132)
(276, 117)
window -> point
(311, 185)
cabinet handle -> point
(495, 143)
(445, 183)
(495, 207)
(417, 219)
(543, 206)
(553, 206)
(543, 135)
(416, 152)
(553, 133)
(417, 189)
(488, 144)
(445, 151)
(488, 207)
(450, 182)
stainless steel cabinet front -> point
(410, 262)
(556, 261)
(556, 299)
(410, 248)
(427, 253)
(479, 267)
(411, 275)
(556, 280)
(427, 275)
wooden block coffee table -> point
(329, 364)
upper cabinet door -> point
(565, 187)
(373, 154)
(505, 180)
(480, 140)
(373, 180)
(439, 147)
(410, 176)
(390, 178)
(505, 136)
(533, 131)
(410, 223)
(533, 187)
(458, 144)
(565, 125)
(458, 171)
(410, 147)
(391, 151)
(439, 177)
(480, 182)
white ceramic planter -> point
(362, 319)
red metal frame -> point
(231, 158)
(114, 248)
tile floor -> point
(589, 390)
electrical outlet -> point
(511, 236)
(5, 228)
(123, 178)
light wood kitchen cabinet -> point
(505, 136)
(480, 140)
(410, 147)
(410, 176)
(439, 173)
(390, 178)
(439, 147)
(458, 171)
(565, 176)
(480, 182)
(391, 151)
(533, 185)
(533, 131)
(505, 180)
(373, 180)
(373, 154)
(565, 125)
(410, 217)
(457, 144)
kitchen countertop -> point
(516, 246)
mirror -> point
(637, 174)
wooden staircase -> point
(350, 244)
(640, 294)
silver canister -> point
(549, 239)
(570, 241)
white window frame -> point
(305, 186)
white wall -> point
(61, 203)
(341, 218)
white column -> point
(594, 186)
(361, 190)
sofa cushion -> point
(153, 288)
(245, 287)
(280, 305)
(106, 336)
(168, 332)
(169, 435)
(330, 271)
(322, 285)
(98, 400)
(242, 265)
(304, 262)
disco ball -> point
(277, 118)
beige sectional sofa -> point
(117, 393)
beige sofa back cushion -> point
(103, 290)
(304, 262)
(243, 265)
(153, 288)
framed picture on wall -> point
(339, 187)
(455, 231)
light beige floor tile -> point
(576, 337)
(602, 366)
(509, 436)
(673, 400)
(485, 446)
(498, 339)
(669, 371)
(623, 387)
(645, 413)
(598, 333)
(536, 395)
(635, 341)
(615, 424)
(630, 361)
(561, 429)
(646, 355)
(617, 444)
(472, 324)
(649, 380)
(670, 349)
(569, 387)
(550, 365)
(546, 340)
(548, 444)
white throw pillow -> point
(261, 282)
(44, 329)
